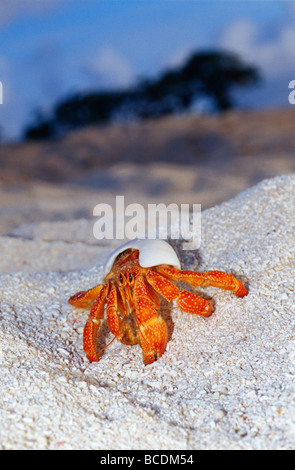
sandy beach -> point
(224, 382)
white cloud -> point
(274, 55)
(109, 69)
(179, 57)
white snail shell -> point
(151, 253)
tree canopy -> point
(212, 75)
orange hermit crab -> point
(136, 274)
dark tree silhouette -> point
(40, 131)
(210, 74)
(83, 109)
(215, 74)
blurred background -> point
(167, 101)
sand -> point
(224, 382)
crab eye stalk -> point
(121, 278)
(130, 277)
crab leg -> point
(186, 301)
(86, 298)
(208, 278)
(116, 315)
(93, 323)
(153, 332)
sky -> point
(52, 48)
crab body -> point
(137, 275)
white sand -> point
(224, 382)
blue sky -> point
(50, 48)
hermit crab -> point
(137, 274)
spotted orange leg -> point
(152, 329)
(98, 297)
(186, 301)
(207, 278)
(93, 323)
(116, 314)
(84, 299)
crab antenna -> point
(106, 346)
